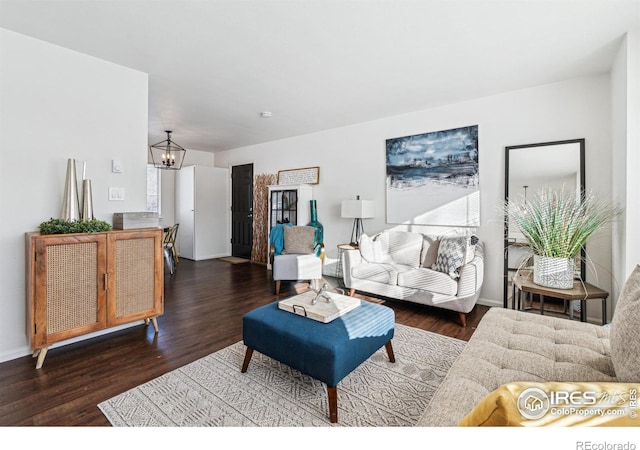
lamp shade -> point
(358, 209)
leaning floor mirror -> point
(529, 168)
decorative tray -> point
(329, 305)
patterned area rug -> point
(213, 392)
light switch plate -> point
(116, 193)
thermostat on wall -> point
(116, 166)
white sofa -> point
(400, 265)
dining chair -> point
(170, 251)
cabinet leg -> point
(41, 355)
(154, 321)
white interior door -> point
(185, 209)
(211, 212)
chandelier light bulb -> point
(167, 154)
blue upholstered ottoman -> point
(325, 351)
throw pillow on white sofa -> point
(453, 253)
(374, 250)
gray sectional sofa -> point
(511, 346)
(445, 272)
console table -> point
(523, 283)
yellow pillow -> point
(561, 404)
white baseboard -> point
(489, 302)
(26, 350)
(15, 354)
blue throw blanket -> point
(276, 237)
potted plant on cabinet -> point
(62, 226)
(556, 226)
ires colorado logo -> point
(534, 403)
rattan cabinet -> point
(83, 283)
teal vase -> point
(319, 234)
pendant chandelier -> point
(167, 154)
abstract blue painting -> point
(433, 178)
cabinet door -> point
(284, 207)
(69, 294)
(135, 274)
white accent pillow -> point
(471, 249)
(374, 250)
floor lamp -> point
(357, 210)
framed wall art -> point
(433, 178)
(305, 175)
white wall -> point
(625, 98)
(57, 104)
(633, 151)
(352, 159)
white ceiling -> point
(215, 65)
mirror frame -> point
(508, 149)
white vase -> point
(553, 272)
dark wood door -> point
(242, 210)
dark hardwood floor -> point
(204, 304)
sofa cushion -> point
(625, 331)
(375, 249)
(428, 280)
(379, 272)
(451, 255)
(298, 239)
(297, 267)
(510, 346)
(405, 247)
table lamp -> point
(357, 210)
